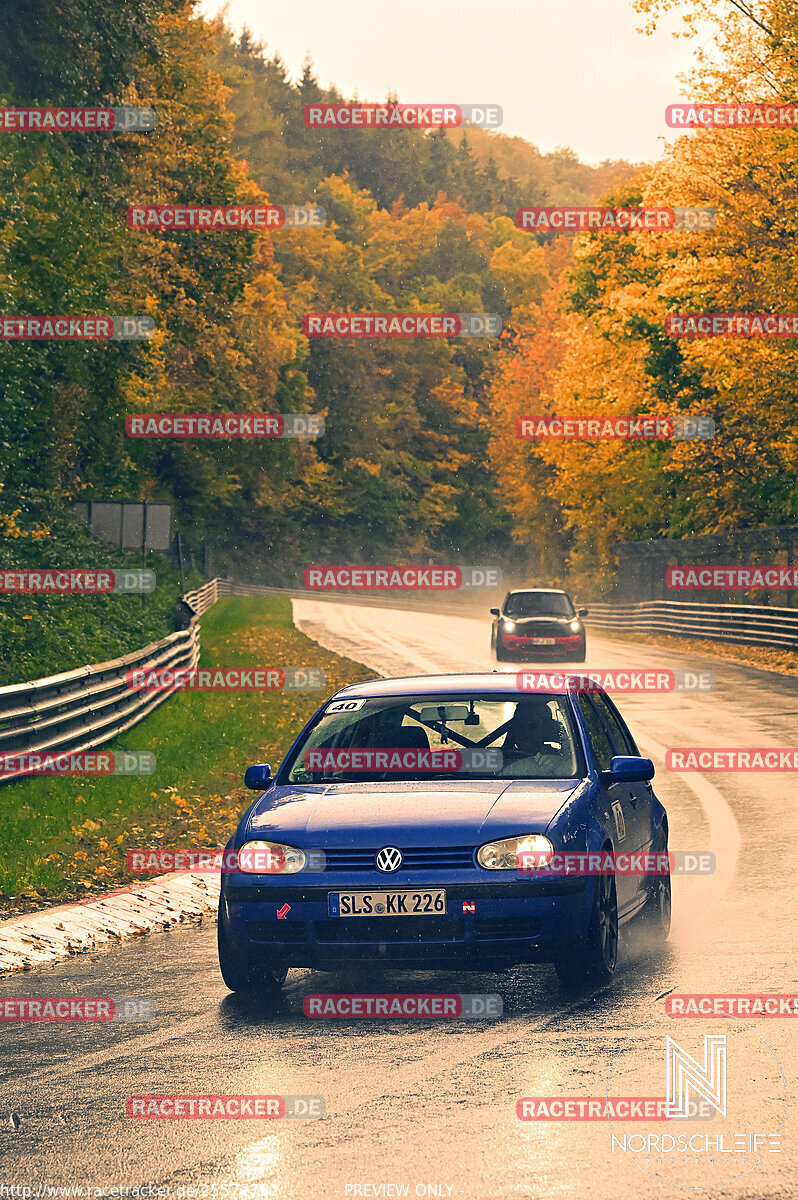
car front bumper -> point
(498, 924)
(562, 649)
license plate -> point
(406, 903)
(542, 641)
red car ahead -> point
(538, 623)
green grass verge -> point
(67, 837)
(764, 658)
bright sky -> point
(565, 72)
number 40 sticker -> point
(344, 706)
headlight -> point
(575, 626)
(509, 626)
(270, 858)
(506, 854)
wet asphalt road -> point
(427, 1108)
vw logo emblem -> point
(389, 859)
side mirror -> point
(496, 612)
(257, 776)
(583, 612)
(628, 769)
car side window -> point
(598, 734)
(624, 743)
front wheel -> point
(241, 976)
(656, 915)
(595, 959)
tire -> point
(578, 658)
(594, 959)
(242, 976)
(501, 653)
(656, 915)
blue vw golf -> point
(445, 821)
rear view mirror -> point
(583, 612)
(257, 776)
(496, 612)
(628, 769)
(443, 712)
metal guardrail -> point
(202, 598)
(749, 624)
(78, 710)
(75, 711)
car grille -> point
(540, 629)
(453, 858)
(277, 931)
(405, 929)
(506, 927)
(419, 930)
(454, 891)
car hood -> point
(417, 814)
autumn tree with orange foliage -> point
(616, 359)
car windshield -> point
(538, 604)
(439, 737)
